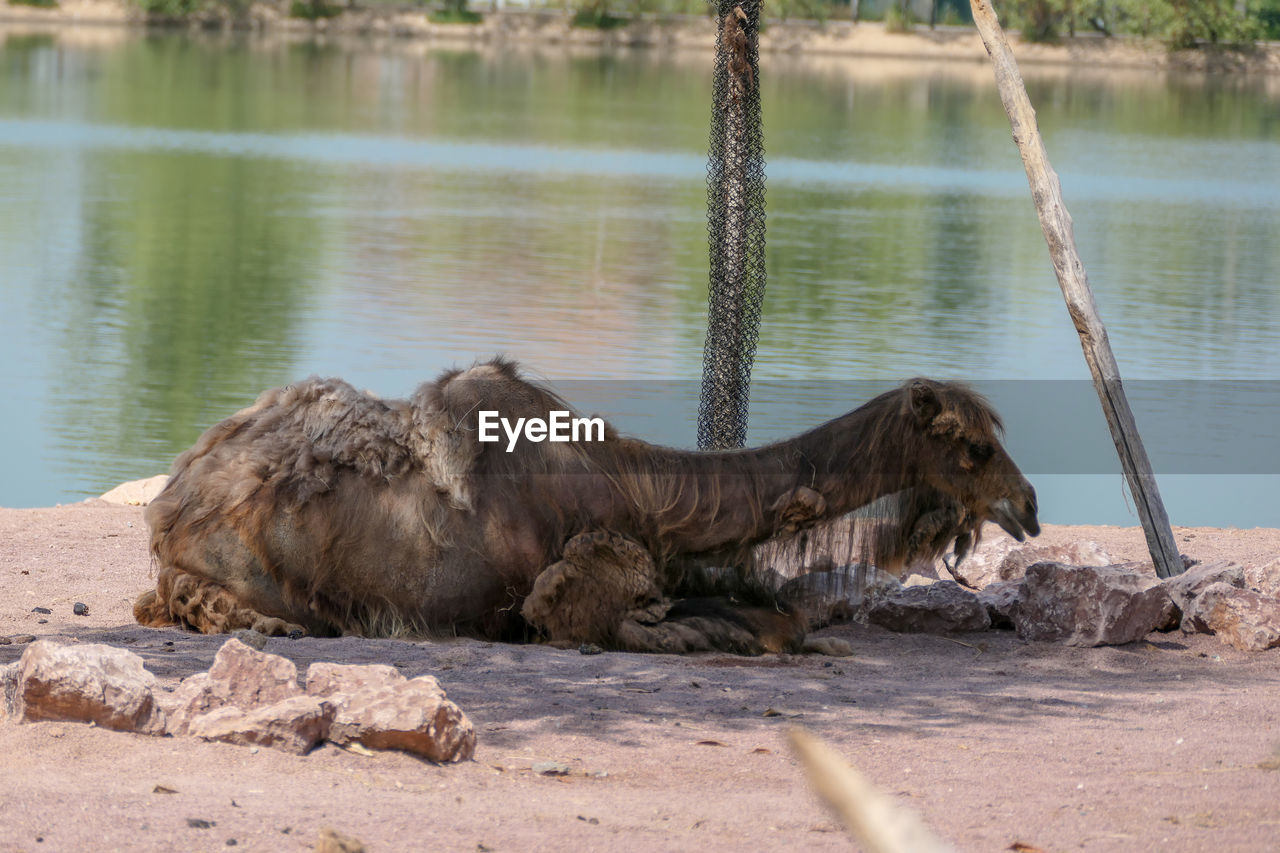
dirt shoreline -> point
(549, 28)
(1153, 745)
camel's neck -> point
(700, 502)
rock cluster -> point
(1046, 594)
(247, 697)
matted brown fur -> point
(334, 512)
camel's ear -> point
(924, 401)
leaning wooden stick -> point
(878, 823)
(1056, 222)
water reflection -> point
(190, 285)
(184, 222)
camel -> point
(327, 511)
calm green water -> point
(185, 222)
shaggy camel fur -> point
(328, 511)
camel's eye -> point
(980, 451)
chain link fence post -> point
(735, 226)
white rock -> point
(137, 492)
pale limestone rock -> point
(1000, 599)
(1091, 605)
(378, 707)
(325, 679)
(941, 608)
(1003, 558)
(240, 677)
(90, 683)
(8, 688)
(295, 724)
(1264, 579)
(878, 583)
(1241, 618)
(1015, 565)
(137, 492)
(981, 567)
(1184, 588)
(837, 595)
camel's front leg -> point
(603, 581)
(607, 590)
(715, 624)
(203, 605)
(935, 528)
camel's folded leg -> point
(607, 590)
(602, 580)
(932, 531)
(714, 624)
(831, 646)
(202, 605)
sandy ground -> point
(1153, 745)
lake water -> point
(185, 222)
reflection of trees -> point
(186, 304)
(1215, 295)
(193, 268)
(874, 281)
(1168, 107)
(582, 276)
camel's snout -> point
(1018, 521)
(1030, 512)
(1030, 521)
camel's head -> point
(961, 458)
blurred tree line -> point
(1177, 23)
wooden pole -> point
(1046, 192)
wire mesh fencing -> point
(736, 229)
